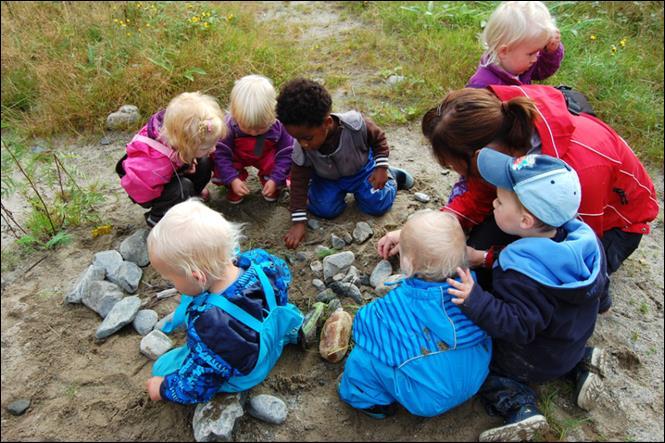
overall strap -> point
(178, 315)
(234, 311)
(267, 287)
(154, 144)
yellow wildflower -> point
(614, 49)
(593, 37)
(195, 19)
(129, 34)
(229, 17)
(101, 230)
(205, 25)
(147, 25)
(623, 42)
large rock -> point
(127, 276)
(124, 117)
(155, 344)
(101, 296)
(215, 420)
(335, 336)
(336, 263)
(135, 249)
(381, 272)
(268, 408)
(122, 314)
(145, 321)
(109, 260)
(362, 232)
(93, 273)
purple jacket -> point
(226, 152)
(492, 74)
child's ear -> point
(200, 277)
(502, 51)
(527, 221)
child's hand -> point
(554, 42)
(463, 288)
(295, 235)
(153, 384)
(269, 188)
(379, 178)
(389, 244)
(192, 167)
(475, 257)
(239, 187)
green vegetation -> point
(560, 426)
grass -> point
(560, 426)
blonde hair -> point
(191, 237)
(513, 23)
(192, 120)
(432, 245)
(253, 100)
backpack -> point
(576, 101)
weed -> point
(324, 252)
(71, 391)
(635, 336)
(644, 308)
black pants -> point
(180, 188)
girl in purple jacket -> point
(255, 138)
(522, 43)
(168, 161)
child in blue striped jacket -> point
(414, 346)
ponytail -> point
(519, 115)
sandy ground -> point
(85, 390)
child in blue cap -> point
(548, 287)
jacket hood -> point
(571, 264)
(155, 124)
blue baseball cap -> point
(546, 186)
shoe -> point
(233, 198)
(150, 220)
(404, 179)
(526, 422)
(588, 389)
(380, 412)
(595, 360)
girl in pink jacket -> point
(168, 161)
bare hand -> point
(239, 187)
(475, 257)
(389, 244)
(462, 288)
(153, 384)
(192, 167)
(554, 42)
(269, 188)
(295, 235)
(379, 178)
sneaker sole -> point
(523, 430)
(235, 202)
(589, 392)
(599, 362)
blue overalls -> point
(279, 328)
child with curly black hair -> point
(340, 153)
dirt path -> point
(84, 390)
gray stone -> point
(333, 305)
(160, 324)
(381, 272)
(362, 232)
(318, 284)
(338, 277)
(37, 149)
(101, 296)
(155, 344)
(93, 273)
(336, 263)
(421, 197)
(122, 314)
(18, 407)
(124, 117)
(145, 320)
(215, 420)
(268, 408)
(109, 260)
(347, 290)
(326, 295)
(135, 249)
(166, 293)
(394, 79)
(348, 238)
(313, 224)
(352, 276)
(337, 242)
(297, 258)
(127, 276)
(105, 141)
(316, 266)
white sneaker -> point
(518, 431)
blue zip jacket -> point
(220, 346)
(545, 303)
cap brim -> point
(494, 166)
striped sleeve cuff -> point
(382, 161)
(299, 216)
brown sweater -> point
(300, 175)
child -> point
(340, 153)
(414, 346)
(521, 43)
(548, 288)
(255, 138)
(168, 162)
(237, 313)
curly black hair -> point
(303, 102)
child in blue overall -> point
(340, 153)
(548, 288)
(414, 346)
(237, 315)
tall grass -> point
(67, 65)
